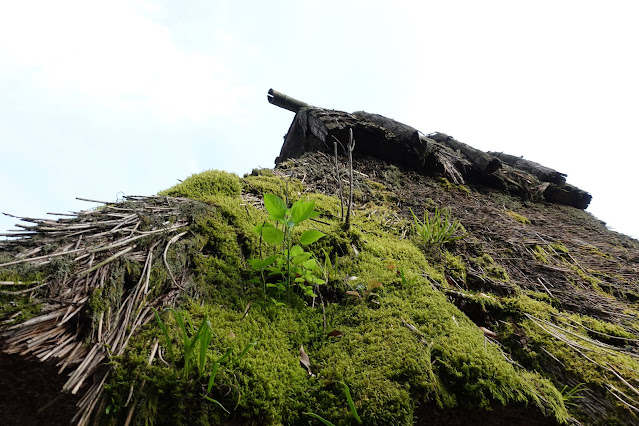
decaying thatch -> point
(87, 247)
(99, 288)
(315, 129)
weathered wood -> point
(283, 101)
(315, 129)
(543, 173)
(483, 162)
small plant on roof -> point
(571, 395)
(440, 229)
(195, 351)
(292, 265)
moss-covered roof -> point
(529, 318)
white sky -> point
(101, 99)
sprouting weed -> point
(293, 266)
(440, 229)
(195, 350)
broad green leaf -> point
(272, 235)
(296, 251)
(275, 206)
(257, 263)
(301, 258)
(274, 270)
(302, 210)
(258, 229)
(310, 236)
(310, 264)
(269, 260)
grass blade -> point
(216, 365)
(167, 338)
(244, 351)
(218, 403)
(321, 419)
(205, 340)
(351, 404)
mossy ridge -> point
(385, 388)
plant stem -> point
(351, 147)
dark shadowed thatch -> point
(317, 129)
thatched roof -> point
(537, 299)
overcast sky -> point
(102, 99)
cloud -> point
(115, 54)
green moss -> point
(600, 329)
(260, 172)
(491, 269)
(287, 189)
(19, 307)
(326, 204)
(450, 187)
(594, 282)
(519, 218)
(542, 297)
(203, 186)
(455, 267)
(540, 254)
(596, 251)
(559, 248)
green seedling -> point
(200, 340)
(571, 394)
(292, 265)
(440, 229)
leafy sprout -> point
(440, 229)
(292, 265)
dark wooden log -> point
(315, 129)
(283, 101)
(568, 195)
(543, 173)
(483, 162)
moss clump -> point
(19, 307)
(559, 248)
(287, 189)
(455, 266)
(596, 251)
(203, 186)
(518, 217)
(491, 269)
(540, 254)
(450, 187)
